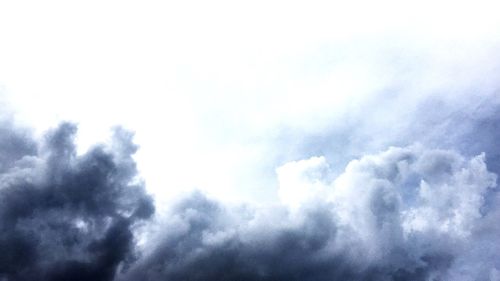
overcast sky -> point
(228, 90)
(274, 104)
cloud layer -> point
(404, 213)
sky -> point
(263, 140)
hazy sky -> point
(230, 90)
(274, 104)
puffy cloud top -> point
(403, 214)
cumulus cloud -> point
(65, 216)
(405, 213)
(408, 213)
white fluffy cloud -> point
(415, 200)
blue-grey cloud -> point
(65, 216)
(425, 211)
(403, 214)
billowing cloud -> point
(65, 216)
(407, 213)
(364, 142)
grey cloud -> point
(65, 216)
(210, 248)
(15, 144)
(403, 214)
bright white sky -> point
(207, 85)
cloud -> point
(325, 79)
(408, 213)
(420, 212)
(63, 216)
(462, 120)
(404, 213)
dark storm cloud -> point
(211, 247)
(299, 251)
(65, 216)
